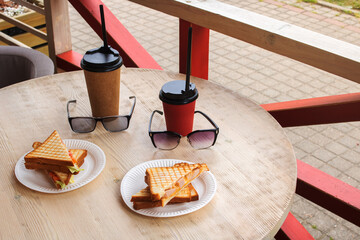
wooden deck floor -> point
(33, 19)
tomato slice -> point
(72, 157)
(54, 176)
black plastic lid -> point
(174, 93)
(103, 59)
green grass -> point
(355, 4)
(314, 226)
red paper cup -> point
(179, 106)
(179, 118)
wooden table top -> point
(253, 163)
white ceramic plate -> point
(37, 179)
(133, 182)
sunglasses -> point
(111, 123)
(199, 139)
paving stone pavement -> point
(264, 77)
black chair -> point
(18, 64)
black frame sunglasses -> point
(110, 123)
(193, 138)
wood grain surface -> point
(253, 162)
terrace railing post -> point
(200, 49)
(57, 27)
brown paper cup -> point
(104, 92)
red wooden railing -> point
(321, 110)
(313, 184)
(199, 55)
(133, 54)
(292, 229)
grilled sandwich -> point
(166, 182)
(52, 155)
(60, 179)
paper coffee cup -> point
(102, 68)
(179, 106)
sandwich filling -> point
(74, 169)
(180, 184)
(60, 179)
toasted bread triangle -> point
(142, 199)
(166, 182)
(183, 182)
(78, 155)
(52, 151)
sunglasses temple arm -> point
(133, 106)
(67, 107)
(209, 119)
(151, 118)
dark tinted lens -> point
(115, 124)
(166, 140)
(203, 139)
(83, 125)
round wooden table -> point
(252, 161)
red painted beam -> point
(322, 110)
(292, 230)
(69, 61)
(328, 192)
(200, 49)
(133, 54)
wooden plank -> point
(200, 49)
(11, 41)
(328, 192)
(31, 18)
(292, 230)
(30, 6)
(24, 26)
(133, 54)
(29, 39)
(58, 27)
(44, 50)
(322, 110)
(69, 61)
(306, 46)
